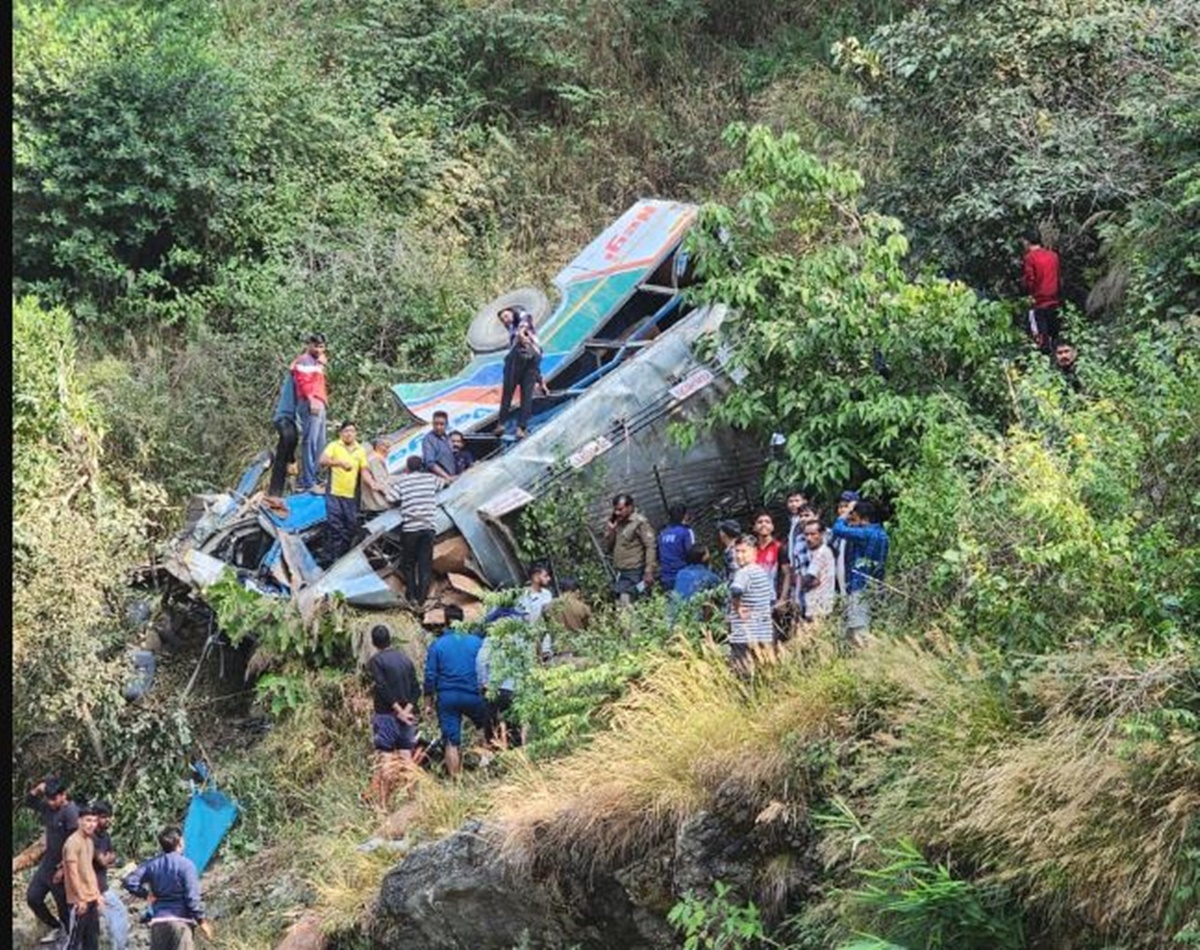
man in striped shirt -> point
(416, 491)
(750, 599)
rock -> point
(459, 892)
(304, 934)
(709, 848)
(396, 824)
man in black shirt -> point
(60, 818)
(116, 917)
(397, 695)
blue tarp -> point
(210, 815)
(304, 511)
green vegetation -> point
(1014, 763)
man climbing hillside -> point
(177, 907)
(1039, 277)
(60, 818)
(396, 694)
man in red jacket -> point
(1039, 277)
(312, 401)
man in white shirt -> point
(535, 600)
(819, 576)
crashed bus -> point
(621, 362)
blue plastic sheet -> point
(210, 815)
(304, 511)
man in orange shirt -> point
(83, 890)
(1039, 277)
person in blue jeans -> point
(116, 917)
(674, 541)
(452, 686)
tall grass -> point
(690, 730)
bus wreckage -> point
(621, 363)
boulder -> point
(459, 892)
(709, 848)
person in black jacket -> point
(60, 818)
(397, 696)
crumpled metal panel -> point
(593, 287)
(203, 570)
(352, 577)
(622, 420)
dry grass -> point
(691, 729)
(1040, 788)
(1086, 822)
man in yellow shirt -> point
(83, 890)
(345, 459)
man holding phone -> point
(629, 539)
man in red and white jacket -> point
(1039, 277)
(312, 403)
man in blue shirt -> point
(174, 886)
(463, 459)
(693, 578)
(673, 543)
(450, 677)
(436, 450)
(866, 551)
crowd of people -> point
(74, 870)
(358, 484)
(771, 587)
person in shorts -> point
(396, 694)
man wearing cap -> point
(116, 917)
(312, 401)
(60, 818)
(171, 879)
(83, 890)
